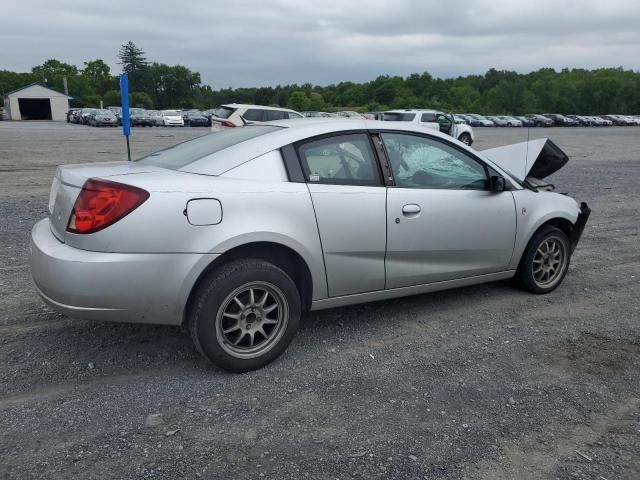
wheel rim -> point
(252, 319)
(549, 262)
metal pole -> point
(128, 149)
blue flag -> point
(124, 93)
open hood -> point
(536, 158)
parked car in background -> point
(561, 120)
(349, 114)
(631, 120)
(85, 113)
(156, 116)
(172, 118)
(498, 121)
(526, 122)
(511, 121)
(434, 120)
(235, 115)
(582, 120)
(195, 119)
(103, 118)
(269, 221)
(70, 114)
(600, 122)
(540, 120)
(140, 118)
(476, 120)
(316, 114)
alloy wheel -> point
(252, 319)
(549, 262)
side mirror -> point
(498, 183)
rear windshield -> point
(190, 151)
(398, 117)
(223, 112)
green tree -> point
(98, 74)
(298, 101)
(316, 102)
(134, 63)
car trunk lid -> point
(67, 184)
(536, 158)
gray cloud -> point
(253, 43)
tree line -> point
(158, 85)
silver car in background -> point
(237, 233)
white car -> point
(434, 120)
(236, 115)
(172, 118)
(511, 121)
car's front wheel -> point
(465, 138)
(244, 315)
(545, 261)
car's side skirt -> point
(345, 300)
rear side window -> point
(275, 115)
(223, 112)
(428, 117)
(188, 152)
(340, 160)
(254, 115)
(398, 117)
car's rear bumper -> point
(123, 287)
(578, 227)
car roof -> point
(258, 107)
(412, 110)
(293, 130)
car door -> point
(349, 199)
(428, 120)
(443, 222)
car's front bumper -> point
(123, 287)
(578, 227)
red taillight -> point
(102, 203)
(227, 123)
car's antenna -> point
(526, 155)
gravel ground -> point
(486, 382)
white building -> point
(36, 102)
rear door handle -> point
(411, 209)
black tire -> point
(531, 270)
(465, 138)
(215, 298)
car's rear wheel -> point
(465, 138)
(244, 315)
(545, 261)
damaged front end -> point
(530, 162)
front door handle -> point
(411, 209)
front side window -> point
(419, 162)
(341, 160)
(428, 117)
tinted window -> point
(295, 115)
(275, 115)
(254, 115)
(223, 112)
(398, 117)
(419, 162)
(188, 152)
(428, 117)
(341, 160)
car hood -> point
(536, 158)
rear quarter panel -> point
(252, 211)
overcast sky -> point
(258, 43)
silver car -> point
(238, 233)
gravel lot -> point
(486, 382)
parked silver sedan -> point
(238, 232)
